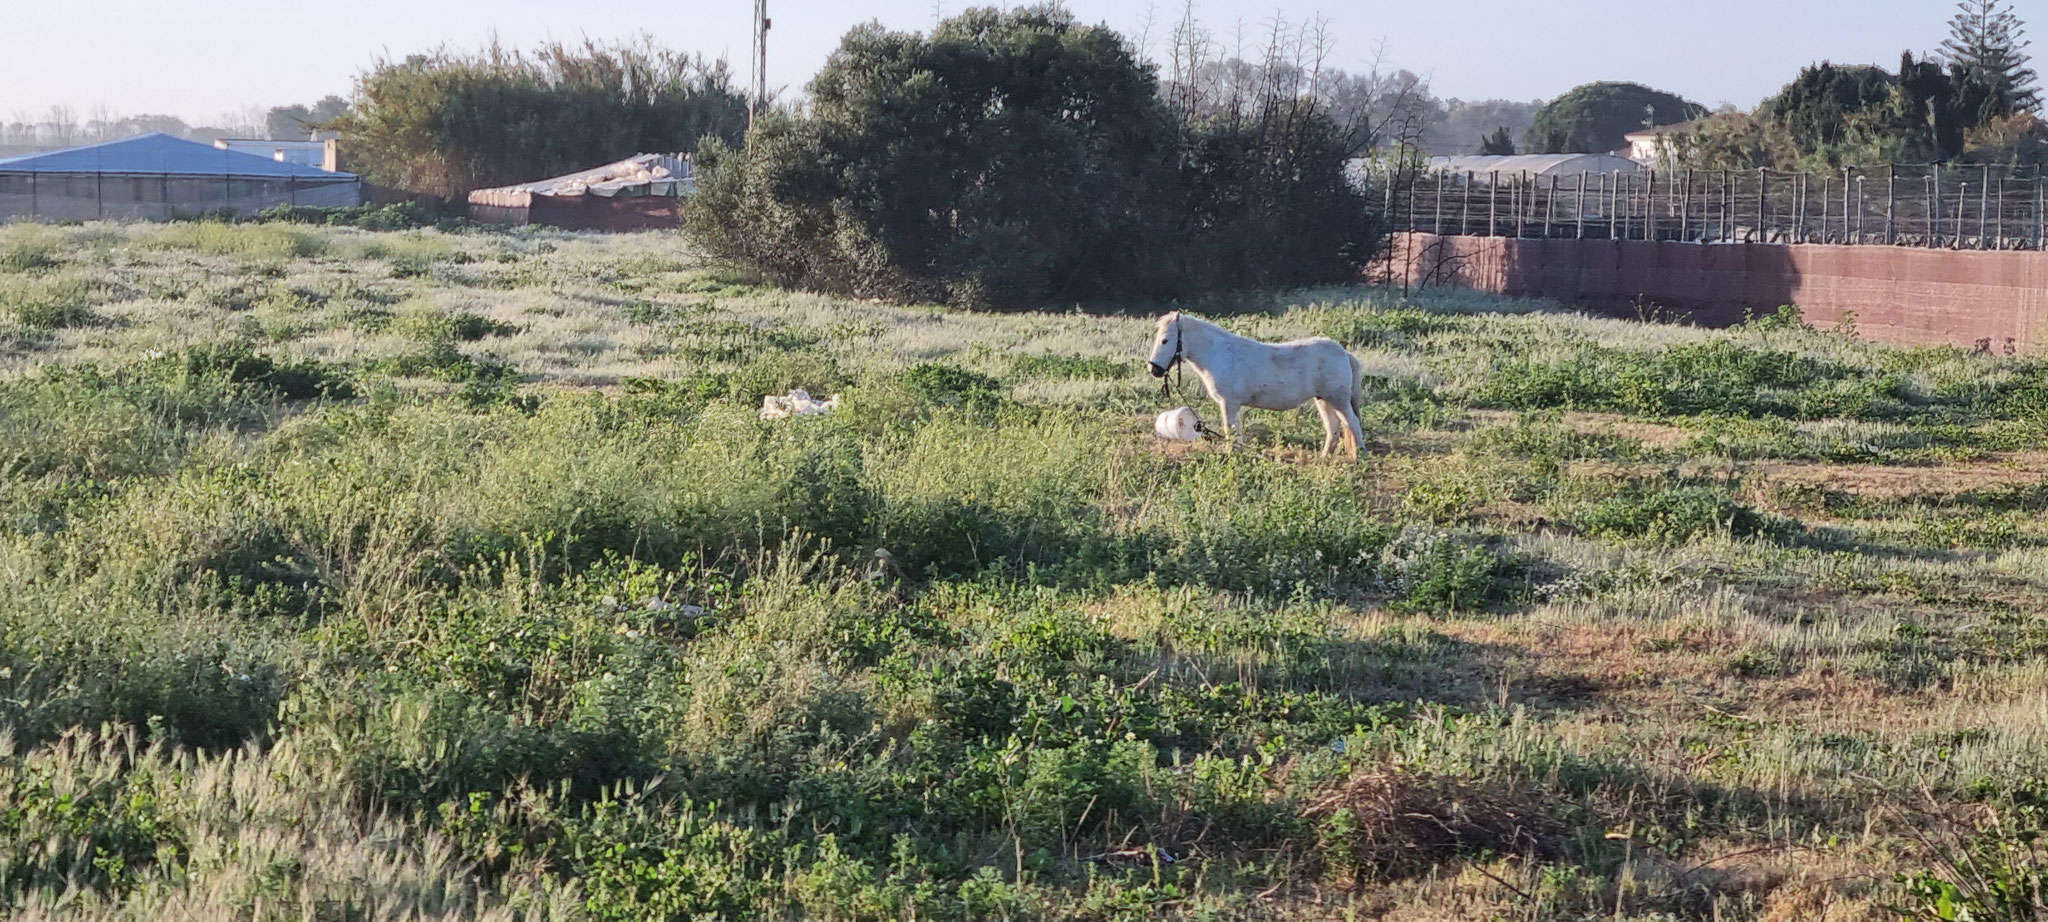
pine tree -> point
(1987, 47)
(1499, 142)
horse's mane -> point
(1208, 325)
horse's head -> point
(1166, 344)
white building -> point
(319, 155)
(1652, 147)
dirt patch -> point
(1384, 822)
(1651, 435)
(1899, 482)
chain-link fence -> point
(1933, 205)
(93, 196)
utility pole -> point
(757, 94)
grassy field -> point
(409, 576)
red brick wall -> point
(591, 212)
(1897, 294)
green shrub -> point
(1434, 571)
(1995, 871)
(28, 247)
(1673, 515)
(200, 681)
(947, 386)
(440, 359)
(428, 326)
(392, 217)
(99, 831)
(636, 861)
(1274, 535)
(238, 362)
(1719, 376)
(249, 241)
(49, 303)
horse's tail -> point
(1357, 385)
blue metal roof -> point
(161, 154)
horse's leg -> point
(1332, 423)
(1233, 416)
(1354, 428)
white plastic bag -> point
(798, 402)
(1179, 424)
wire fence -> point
(1951, 207)
(111, 196)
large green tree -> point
(1594, 118)
(1817, 107)
(1011, 157)
(1987, 49)
(1002, 157)
(444, 123)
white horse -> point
(1240, 373)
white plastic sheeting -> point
(640, 174)
(798, 402)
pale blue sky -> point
(198, 59)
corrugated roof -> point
(161, 154)
(1534, 164)
(640, 174)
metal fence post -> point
(1799, 208)
(2001, 213)
(1862, 209)
(1827, 180)
(1550, 208)
(1763, 190)
(1891, 206)
(1440, 203)
(1685, 209)
(1650, 205)
(1465, 210)
(1962, 203)
(1614, 208)
(1934, 208)
(1515, 194)
(1984, 209)
(1528, 210)
(1727, 200)
(1492, 203)
(1845, 204)
(1580, 213)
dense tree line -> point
(1011, 157)
(1975, 102)
(64, 126)
(444, 123)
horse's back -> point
(1297, 371)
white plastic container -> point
(1179, 424)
